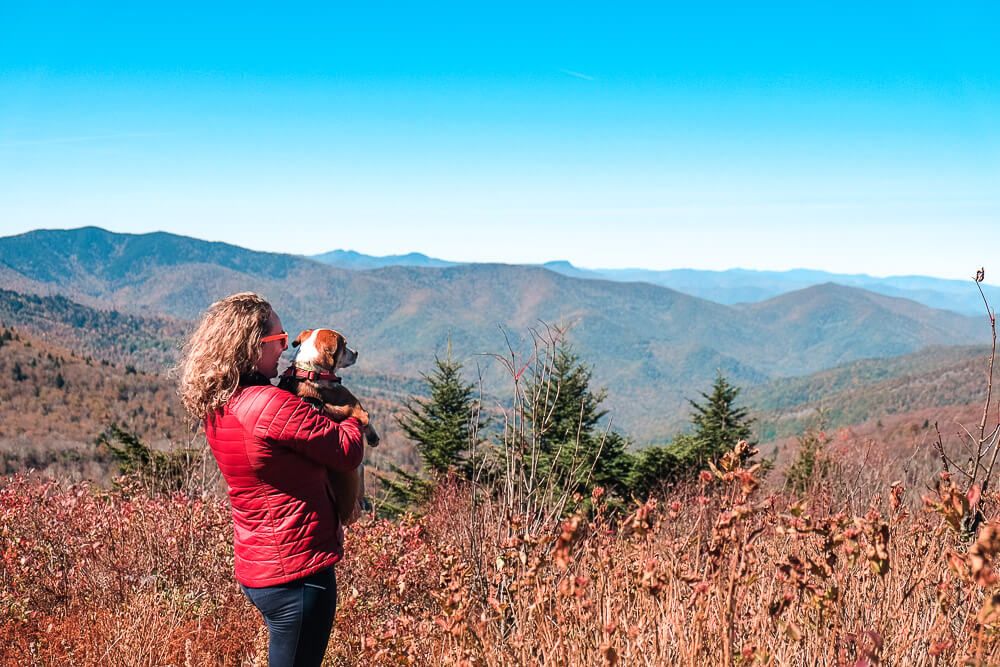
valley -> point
(652, 347)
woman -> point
(274, 450)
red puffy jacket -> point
(275, 452)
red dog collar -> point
(312, 376)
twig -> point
(945, 461)
(989, 383)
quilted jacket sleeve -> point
(293, 423)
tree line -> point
(572, 447)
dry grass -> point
(727, 570)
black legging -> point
(299, 617)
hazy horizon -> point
(988, 281)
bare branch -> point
(989, 382)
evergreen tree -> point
(566, 415)
(811, 463)
(614, 463)
(440, 428)
(718, 423)
(651, 468)
(404, 491)
(157, 471)
(654, 466)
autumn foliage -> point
(728, 569)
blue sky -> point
(840, 136)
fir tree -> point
(811, 463)
(652, 467)
(157, 471)
(655, 466)
(566, 415)
(441, 429)
(439, 426)
(404, 491)
(718, 423)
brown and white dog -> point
(313, 376)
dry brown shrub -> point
(726, 570)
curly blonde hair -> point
(224, 346)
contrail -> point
(578, 75)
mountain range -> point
(349, 259)
(730, 286)
(651, 346)
(54, 407)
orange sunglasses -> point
(283, 337)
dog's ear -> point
(329, 343)
(333, 349)
(301, 337)
(341, 345)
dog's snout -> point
(350, 357)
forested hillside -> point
(872, 389)
(151, 343)
(650, 346)
(56, 402)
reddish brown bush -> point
(724, 571)
(92, 577)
